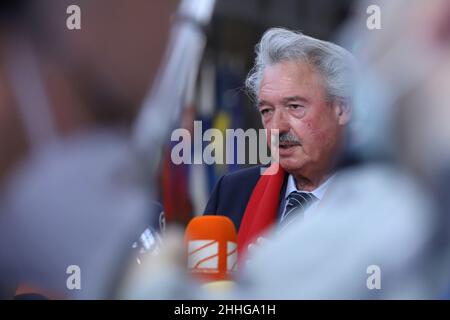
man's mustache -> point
(288, 138)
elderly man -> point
(302, 87)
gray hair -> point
(335, 64)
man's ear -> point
(343, 111)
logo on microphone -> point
(231, 256)
(203, 256)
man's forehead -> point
(289, 81)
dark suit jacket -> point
(232, 193)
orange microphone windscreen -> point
(211, 247)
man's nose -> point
(280, 121)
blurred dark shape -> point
(73, 192)
(30, 296)
(84, 191)
(12, 9)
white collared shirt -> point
(319, 192)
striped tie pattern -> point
(297, 203)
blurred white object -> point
(165, 100)
(373, 215)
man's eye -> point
(264, 111)
(295, 106)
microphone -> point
(211, 248)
